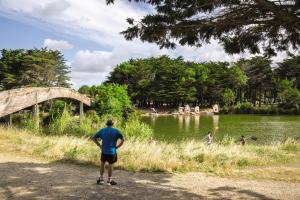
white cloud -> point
(97, 22)
(52, 8)
(87, 78)
(57, 44)
(93, 61)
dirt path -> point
(25, 178)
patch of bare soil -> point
(26, 178)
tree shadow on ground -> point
(237, 192)
(69, 181)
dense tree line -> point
(32, 67)
(174, 82)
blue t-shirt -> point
(109, 137)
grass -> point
(225, 159)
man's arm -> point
(95, 140)
(96, 137)
(121, 143)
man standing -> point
(109, 137)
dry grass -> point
(222, 159)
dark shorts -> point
(111, 159)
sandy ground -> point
(26, 178)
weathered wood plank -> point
(17, 99)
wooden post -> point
(81, 112)
(36, 112)
(10, 119)
(36, 115)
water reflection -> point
(179, 127)
(180, 121)
(153, 119)
(197, 122)
(215, 123)
(187, 120)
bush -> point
(137, 130)
(112, 99)
(289, 96)
(93, 116)
(61, 124)
(57, 109)
(228, 97)
(244, 108)
(32, 123)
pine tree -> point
(239, 25)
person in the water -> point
(209, 138)
(242, 140)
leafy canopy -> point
(109, 99)
(239, 25)
(33, 67)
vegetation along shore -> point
(225, 158)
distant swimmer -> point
(242, 140)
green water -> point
(265, 128)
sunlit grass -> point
(225, 158)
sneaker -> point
(111, 182)
(100, 181)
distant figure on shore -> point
(153, 110)
(152, 141)
(181, 110)
(216, 108)
(197, 110)
(209, 138)
(187, 109)
(242, 140)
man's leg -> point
(110, 169)
(100, 181)
(112, 160)
(102, 169)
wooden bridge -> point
(17, 99)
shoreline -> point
(170, 112)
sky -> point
(88, 34)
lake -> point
(265, 128)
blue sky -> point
(87, 33)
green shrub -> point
(57, 109)
(228, 97)
(93, 116)
(289, 96)
(137, 130)
(243, 162)
(71, 153)
(199, 158)
(246, 107)
(32, 123)
(81, 127)
(225, 110)
(61, 124)
(227, 140)
(111, 99)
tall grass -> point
(66, 124)
(142, 155)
